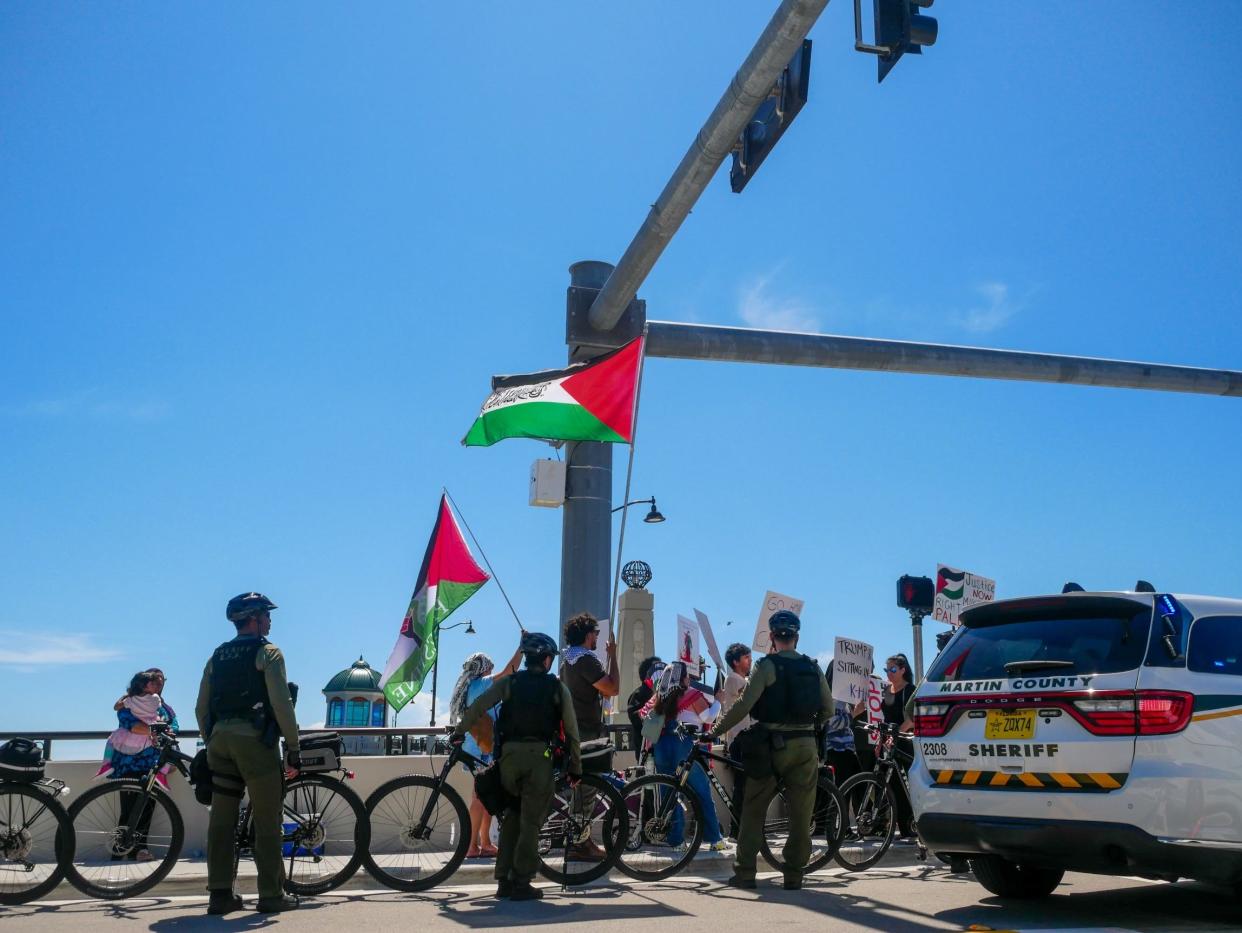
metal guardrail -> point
(413, 740)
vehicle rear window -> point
(1091, 645)
(1216, 646)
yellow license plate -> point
(1010, 724)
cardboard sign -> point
(958, 590)
(772, 602)
(687, 650)
(851, 670)
(875, 704)
(709, 639)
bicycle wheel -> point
(665, 827)
(870, 819)
(419, 833)
(325, 833)
(585, 829)
(127, 838)
(36, 843)
(827, 821)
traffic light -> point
(771, 118)
(917, 594)
(899, 28)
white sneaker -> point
(720, 846)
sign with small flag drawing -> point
(592, 401)
(449, 576)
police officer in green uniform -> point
(533, 707)
(788, 696)
(243, 709)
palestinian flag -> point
(449, 576)
(592, 401)
(950, 583)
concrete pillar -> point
(635, 639)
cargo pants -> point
(526, 775)
(795, 768)
(241, 762)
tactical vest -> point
(794, 699)
(533, 711)
(237, 687)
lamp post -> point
(435, 667)
(654, 517)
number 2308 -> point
(935, 749)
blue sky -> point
(259, 263)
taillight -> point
(1145, 712)
(1163, 713)
(931, 720)
(1108, 715)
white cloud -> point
(89, 403)
(757, 307)
(418, 711)
(825, 659)
(27, 651)
(995, 311)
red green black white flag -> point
(591, 401)
(449, 576)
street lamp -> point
(654, 517)
(435, 667)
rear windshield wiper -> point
(1014, 667)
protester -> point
(589, 683)
(534, 709)
(476, 677)
(648, 670)
(897, 695)
(738, 658)
(130, 751)
(839, 752)
(675, 701)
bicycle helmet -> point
(784, 623)
(538, 646)
(241, 608)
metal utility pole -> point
(748, 89)
(586, 525)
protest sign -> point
(958, 590)
(772, 602)
(851, 670)
(875, 704)
(688, 644)
(709, 639)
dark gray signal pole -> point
(603, 313)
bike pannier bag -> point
(596, 755)
(21, 760)
(320, 751)
(753, 746)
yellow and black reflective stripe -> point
(1095, 781)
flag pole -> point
(462, 515)
(629, 473)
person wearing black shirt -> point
(648, 668)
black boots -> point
(274, 905)
(223, 902)
(524, 891)
(504, 889)
(793, 881)
(737, 881)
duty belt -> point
(792, 734)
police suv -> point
(1093, 732)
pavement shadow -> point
(578, 906)
(1141, 905)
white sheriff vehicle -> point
(1094, 732)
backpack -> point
(21, 760)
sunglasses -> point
(894, 669)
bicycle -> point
(871, 804)
(36, 841)
(663, 807)
(129, 831)
(420, 828)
